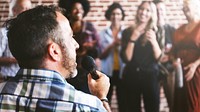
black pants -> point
(142, 84)
(116, 81)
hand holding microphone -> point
(98, 82)
(88, 64)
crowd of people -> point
(42, 47)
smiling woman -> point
(85, 34)
(186, 47)
(140, 51)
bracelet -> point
(160, 57)
(132, 41)
(105, 99)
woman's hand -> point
(116, 42)
(151, 36)
(140, 29)
(191, 68)
(89, 45)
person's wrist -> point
(104, 99)
(132, 41)
(136, 32)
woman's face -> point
(116, 16)
(161, 11)
(77, 12)
(144, 13)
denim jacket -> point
(105, 40)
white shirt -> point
(5, 52)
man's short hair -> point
(29, 32)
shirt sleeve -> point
(125, 38)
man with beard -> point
(41, 41)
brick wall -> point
(96, 16)
(98, 7)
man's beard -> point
(73, 74)
(69, 64)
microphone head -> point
(88, 63)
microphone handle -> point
(94, 74)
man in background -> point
(8, 64)
(165, 34)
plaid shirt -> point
(5, 52)
(34, 90)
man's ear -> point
(54, 52)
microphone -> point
(88, 64)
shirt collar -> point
(40, 74)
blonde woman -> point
(140, 51)
(187, 48)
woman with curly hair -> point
(110, 39)
(85, 34)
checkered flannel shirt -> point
(39, 90)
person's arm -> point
(106, 105)
(137, 32)
(5, 61)
(100, 88)
(131, 45)
(151, 37)
(109, 48)
(106, 46)
(124, 40)
(191, 68)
